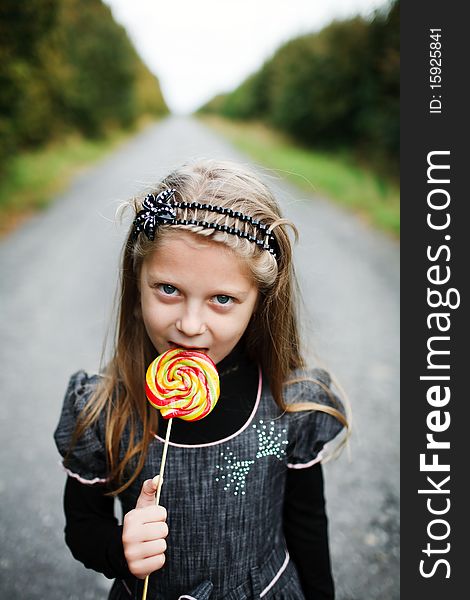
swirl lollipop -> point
(184, 384)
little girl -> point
(207, 265)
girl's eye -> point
(168, 289)
(222, 299)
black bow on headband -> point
(155, 210)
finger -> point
(145, 550)
(154, 531)
(152, 514)
(144, 567)
(147, 493)
(153, 548)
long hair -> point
(272, 335)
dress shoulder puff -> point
(312, 433)
(86, 460)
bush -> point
(66, 66)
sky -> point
(200, 48)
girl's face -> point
(196, 294)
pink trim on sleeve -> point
(317, 459)
(81, 479)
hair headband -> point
(162, 210)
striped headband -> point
(163, 209)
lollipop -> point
(184, 384)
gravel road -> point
(57, 276)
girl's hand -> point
(144, 532)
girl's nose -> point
(191, 322)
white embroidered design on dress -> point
(232, 472)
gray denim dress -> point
(224, 499)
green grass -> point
(32, 179)
(337, 176)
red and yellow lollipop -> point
(182, 383)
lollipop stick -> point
(159, 489)
(163, 463)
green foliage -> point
(381, 122)
(67, 66)
(335, 88)
(98, 87)
(148, 95)
(249, 99)
(23, 28)
(214, 106)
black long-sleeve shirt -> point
(95, 537)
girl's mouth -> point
(194, 348)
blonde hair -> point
(271, 338)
